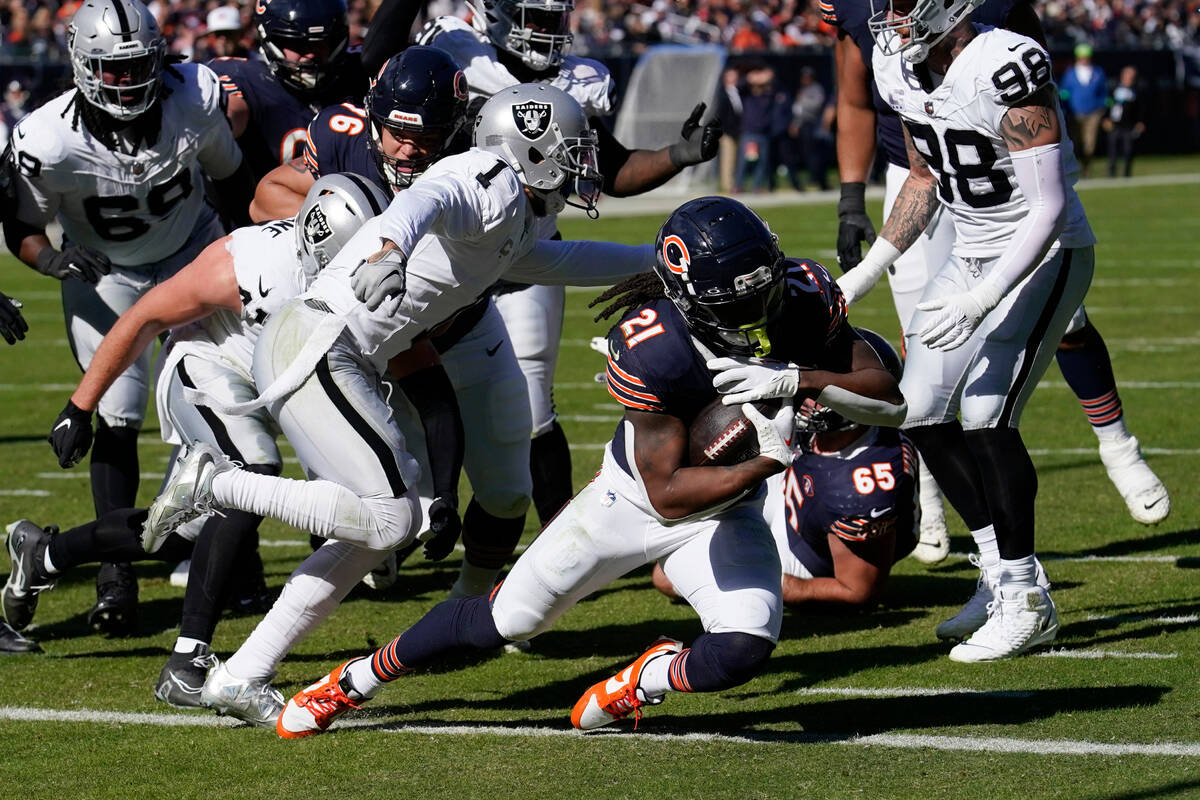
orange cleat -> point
(312, 710)
(619, 696)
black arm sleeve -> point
(613, 154)
(388, 32)
(232, 196)
(430, 392)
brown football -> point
(721, 436)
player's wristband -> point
(853, 199)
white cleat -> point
(187, 494)
(933, 540)
(384, 575)
(1019, 620)
(1143, 492)
(975, 613)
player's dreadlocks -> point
(641, 288)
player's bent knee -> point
(506, 503)
(725, 660)
(395, 521)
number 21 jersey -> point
(956, 128)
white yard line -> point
(911, 691)
(67, 475)
(1148, 559)
(1183, 619)
(24, 493)
(1097, 654)
(904, 741)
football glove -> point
(957, 316)
(698, 142)
(71, 435)
(73, 261)
(854, 226)
(378, 280)
(12, 324)
(444, 529)
(750, 381)
(774, 433)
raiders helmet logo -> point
(675, 255)
(316, 227)
(532, 118)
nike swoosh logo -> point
(261, 290)
(1013, 49)
(491, 351)
(619, 681)
(66, 423)
(876, 513)
(1149, 506)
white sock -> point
(655, 679)
(1113, 430)
(473, 581)
(48, 564)
(931, 494)
(1019, 572)
(363, 679)
(989, 551)
(186, 645)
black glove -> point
(73, 261)
(699, 143)
(854, 226)
(12, 324)
(71, 435)
(444, 529)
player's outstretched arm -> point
(867, 394)
(676, 490)
(855, 150)
(281, 192)
(627, 172)
(580, 263)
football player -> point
(845, 509)
(721, 286)
(865, 119)
(120, 161)
(987, 145)
(307, 64)
(215, 308)
(523, 41)
(464, 222)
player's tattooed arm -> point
(660, 447)
(916, 202)
(1033, 122)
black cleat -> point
(13, 643)
(183, 677)
(115, 612)
(27, 548)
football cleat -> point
(1143, 492)
(186, 495)
(312, 710)
(384, 575)
(182, 677)
(256, 702)
(619, 696)
(933, 539)
(1019, 619)
(116, 609)
(13, 643)
(27, 548)
(975, 612)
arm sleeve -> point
(613, 154)
(388, 32)
(431, 393)
(580, 263)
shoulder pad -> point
(1011, 67)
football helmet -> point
(723, 269)
(335, 207)
(911, 28)
(536, 31)
(421, 91)
(117, 56)
(543, 134)
(816, 418)
(318, 27)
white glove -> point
(957, 317)
(750, 381)
(376, 281)
(774, 433)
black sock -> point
(114, 537)
(114, 468)
(717, 661)
(948, 456)
(1012, 487)
(1087, 368)
(489, 541)
(451, 624)
(550, 467)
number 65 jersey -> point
(956, 128)
(137, 208)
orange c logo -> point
(675, 255)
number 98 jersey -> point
(956, 128)
(137, 208)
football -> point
(721, 436)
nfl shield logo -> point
(928, 107)
(532, 118)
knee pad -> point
(506, 502)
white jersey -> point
(956, 127)
(136, 209)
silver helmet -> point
(536, 31)
(912, 28)
(117, 55)
(543, 134)
(335, 207)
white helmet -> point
(543, 134)
(117, 55)
(536, 31)
(926, 24)
(334, 209)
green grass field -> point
(860, 705)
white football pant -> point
(534, 318)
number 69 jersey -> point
(956, 128)
(137, 209)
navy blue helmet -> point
(723, 269)
(419, 94)
(318, 27)
(822, 419)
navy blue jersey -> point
(859, 495)
(338, 141)
(654, 367)
(851, 16)
(279, 119)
